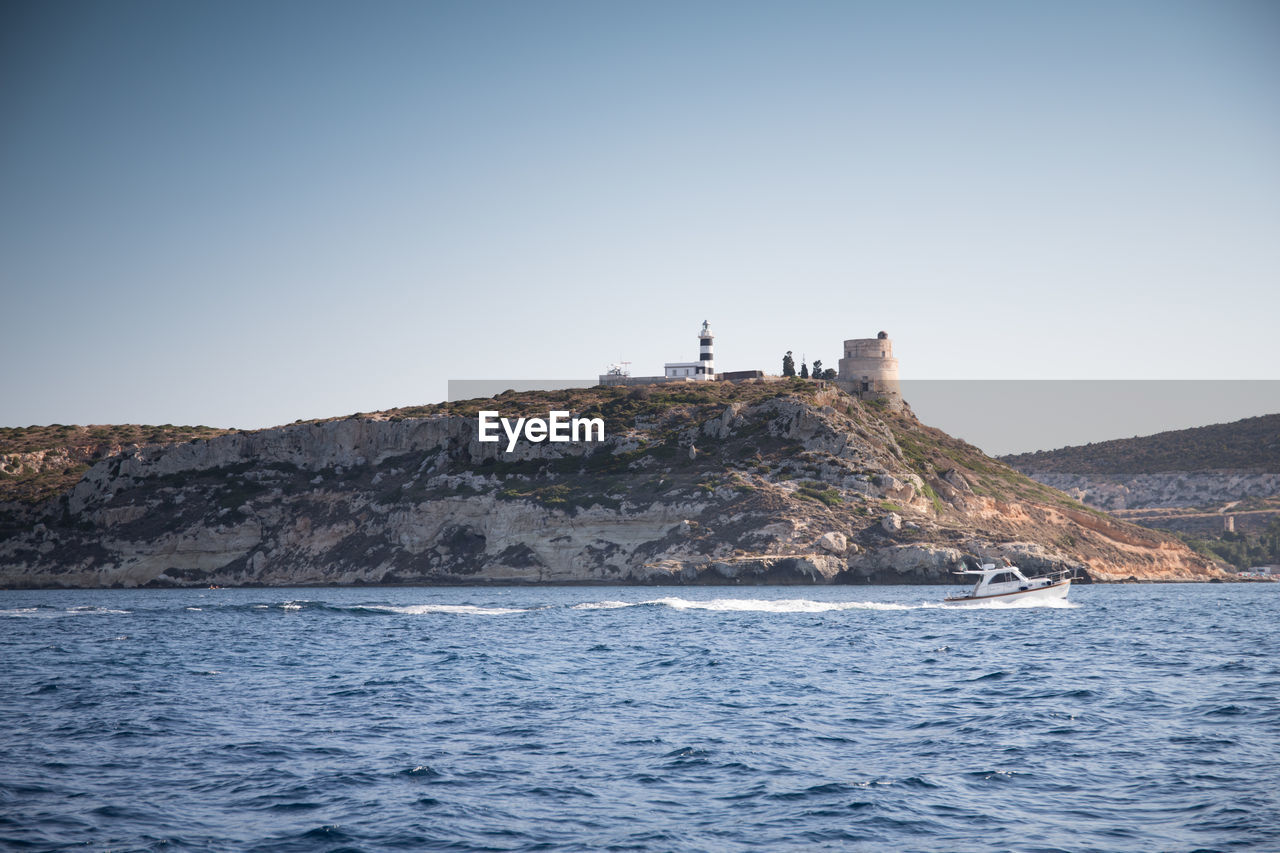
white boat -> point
(1008, 583)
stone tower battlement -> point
(870, 371)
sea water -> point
(1129, 718)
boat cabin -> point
(998, 581)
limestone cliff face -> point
(753, 483)
(1162, 489)
(1198, 467)
(39, 461)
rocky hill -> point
(750, 482)
(1252, 444)
(1199, 467)
(41, 462)
(1217, 486)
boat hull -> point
(1044, 593)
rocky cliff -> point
(752, 482)
(1198, 467)
(1164, 489)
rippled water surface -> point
(1135, 718)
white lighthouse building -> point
(702, 369)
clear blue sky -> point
(243, 213)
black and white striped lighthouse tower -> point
(706, 357)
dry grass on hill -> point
(38, 462)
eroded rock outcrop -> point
(757, 483)
(1162, 489)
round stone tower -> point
(870, 371)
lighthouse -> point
(705, 355)
(702, 369)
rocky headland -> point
(1199, 467)
(756, 482)
(1217, 487)
(1165, 489)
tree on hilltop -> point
(788, 365)
(804, 370)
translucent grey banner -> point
(1018, 416)
(475, 389)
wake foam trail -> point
(781, 605)
(804, 605)
(291, 606)
(750, 605)
(1048, 604)
(21, 612)
(46, 612)
(467, 609)
(296, 605)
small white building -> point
(702, 369)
